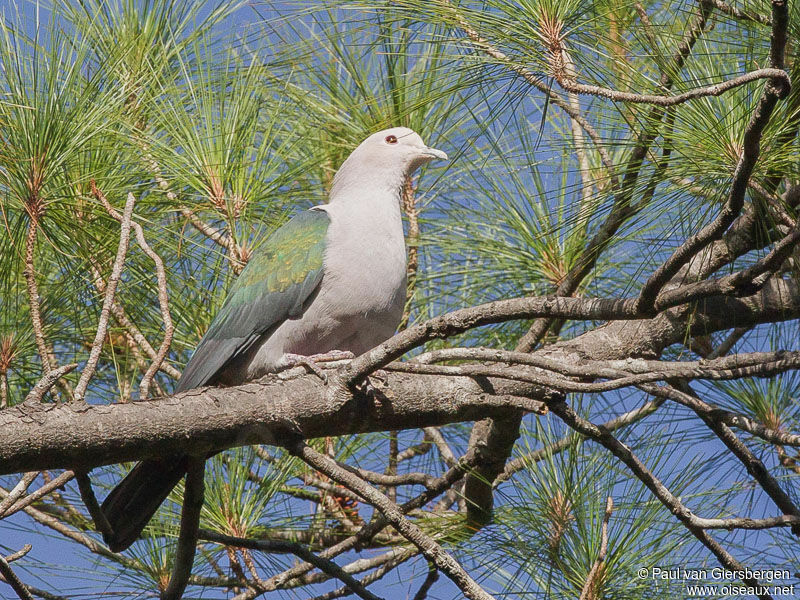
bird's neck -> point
(350, 183)
(373, 199)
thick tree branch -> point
(64, 436)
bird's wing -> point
(276, 284)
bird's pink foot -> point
(311, 363)
(298, 360)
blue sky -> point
(66, 568)
(52, 557)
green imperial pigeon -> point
(332, 278)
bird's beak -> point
(433, 153)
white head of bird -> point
(384, 160)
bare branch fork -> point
(111, 289)
(163, 296)
(367, 532)
(327, 566)
(427, 545)
(773, 92)
(656, 487)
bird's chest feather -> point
(367, 272)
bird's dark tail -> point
(131, 505)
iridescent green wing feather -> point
(276, 284)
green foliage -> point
(224, 133)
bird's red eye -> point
(391, 139)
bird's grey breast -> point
(364, 280)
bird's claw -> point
(297, 360)
(311, 363)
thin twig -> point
(385, 568)
(187, 538)
(33, 296)
(755, 467)
(391, 467)
(215, 235)
(395, 480)
(748, 523)
(595, 577)
(19, 553)
(737, 13)
(658, 100)
(45, 489)
(416, 450)
(133, 336)
(721, 415)
(446, 454)
(11, 579)
(17, 491)
(584, 168)
(111, 290)
(222, 239)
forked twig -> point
(163, 296)
(111, 290)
